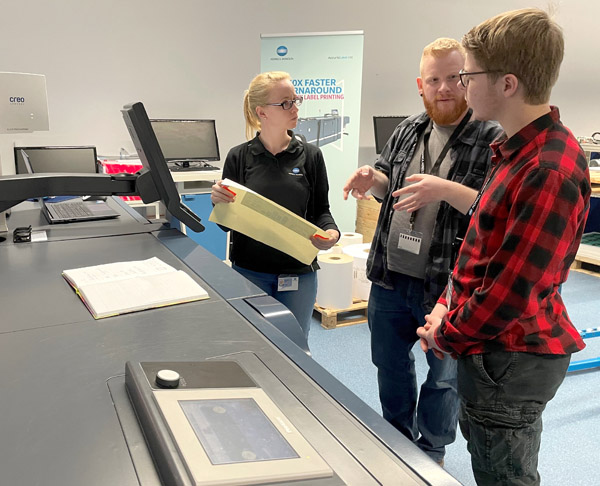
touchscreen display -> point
(235, 430)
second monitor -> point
(80, 159)
(384, 126)
(187, 144)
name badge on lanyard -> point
(410, 241)
(286, 283)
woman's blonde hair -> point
(256, 95)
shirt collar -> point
(257, 147)
(468, 135)
(508, 148)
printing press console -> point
(208, 392)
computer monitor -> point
(384, 126)
(23, 103)
(151, 156)
(80, 159)
(187, 140)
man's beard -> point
(442, 117)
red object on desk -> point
(120, 167)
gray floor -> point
(571, 438)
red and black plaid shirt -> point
(521, 241)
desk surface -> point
(196, 175)
(62, 371)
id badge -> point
(449, 292)
(410, 241)
(286, 283)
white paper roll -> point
(337, 248)
(350, 239)
(334, 289)
(361, 285)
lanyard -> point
(480, 193)
(425, 155)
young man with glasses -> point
(502, 314)
(276, 164)
(427, 176)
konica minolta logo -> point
(282, 50)
(16, 100)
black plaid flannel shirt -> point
(470, 155)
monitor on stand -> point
(73, 160)
(152, 158)
(187, 144)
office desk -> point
(66, 419)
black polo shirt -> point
(295, 179)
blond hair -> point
(441, 47)
(256, 95)
(526, 43)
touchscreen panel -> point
(235, 430)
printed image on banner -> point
(326, 69)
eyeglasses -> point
(287, 104)
(463, 74)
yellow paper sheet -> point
(263, 220)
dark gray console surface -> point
(59, 425)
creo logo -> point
(282, 50)
(16, 99)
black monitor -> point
(151, 156)
(80, 160)
(187, 140)
(384, 126)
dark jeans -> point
(394, 316)
(503, 395)
(300, 302)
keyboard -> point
(191, 166)
(71, 209)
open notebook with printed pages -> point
(121, 287)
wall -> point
(194, 58)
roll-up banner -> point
(326, 69)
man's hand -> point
(324, 243)
(438, 312)
(427, 333)
(360, 182)
(425, 189)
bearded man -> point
(427, 178)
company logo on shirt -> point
(295, 172)
(282, 50)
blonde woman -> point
(278, 165)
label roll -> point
(334, 280)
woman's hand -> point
(221, 194)
(325, 243)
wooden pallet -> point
(587, 260)
(334, 318)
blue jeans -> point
(394, 316)
(300, 302)
(503, 395)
